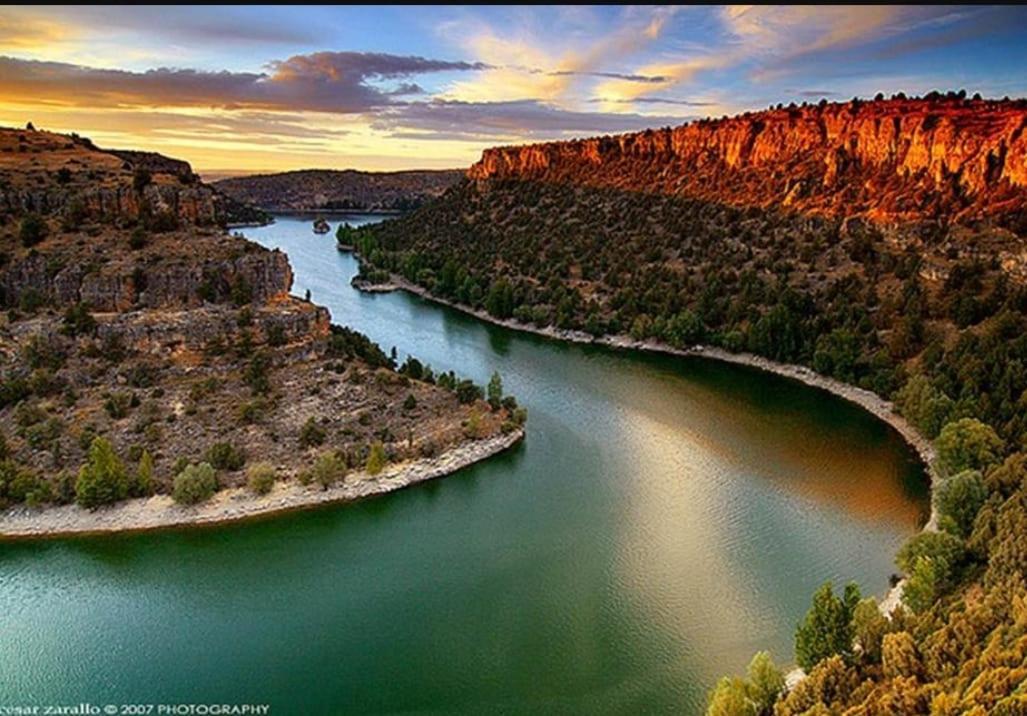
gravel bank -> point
(868, 400)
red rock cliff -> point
(889, 159)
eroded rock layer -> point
(888, 159)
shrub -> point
(32, 230)
(102, 479)
(253, 411)
(410, 403)
(260, 478)
(195, 484)
(143, 484)
(78, 321)
(137, 240)
(959, 499)
(475, 427)
(967, 444)
(941, 548)
(328, 468)
(256, 374)
(225, 456)
(22, 484)
(376, 459)
(311, 434)
(468, 392)
(118, 404)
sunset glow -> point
(269, 88)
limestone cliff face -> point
(888, 159)
(121, 286)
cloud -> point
(618, 92)
(646, 79)
(321, 82)
(653, 100)
(222, 25)
(357, 66)
(19, 33)
(524, 67)
(533, 119)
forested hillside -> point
(925, 307)
(349, 190)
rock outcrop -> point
(166, 283)
(56, 174)
(933, 158)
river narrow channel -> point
(664, 518)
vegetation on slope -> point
(349, 190)
(144, 350)
(931, 315)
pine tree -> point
(827, 628)
(376, 459)
(495, 391)
(102, 479)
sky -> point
(270, 88)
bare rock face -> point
(911, 159)
(162, 282)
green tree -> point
(195, 483)
(967, 444)
(102, 479)
(959, 499)
(495, 391)
(144, 476)
(376, 459)
(869, 626)
(936, 545)
(730, 697)
(500, 300)
(766, 682)
(467, 392)
(924, 405)
(827, 627)
(926, 582)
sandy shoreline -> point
(161, 512)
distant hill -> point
(348, 190)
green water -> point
(664, 519)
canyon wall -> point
(943, 158)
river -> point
(663, 519)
